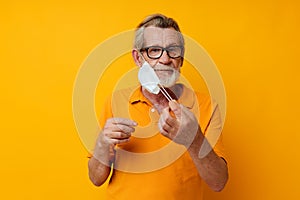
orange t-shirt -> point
(150, 166)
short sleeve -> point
(105, 113)
(214, 132)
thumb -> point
(175, 107)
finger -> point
(172, 122)
(161, 130)
(121, 128)
(175, 107)
(116, 141)
(163, 125)
(123, 121)
(168, 119)
(117, 135)
(164, 114)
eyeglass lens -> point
(156, 52)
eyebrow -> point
(170, 45)
(173, 44)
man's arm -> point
(212, 169)
(116, 131)
(98, 172)
(184, 129)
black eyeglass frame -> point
(163, 49)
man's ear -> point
(137, 57)
(181, 62)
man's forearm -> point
(98, 172)
(212, 169)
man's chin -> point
(168, 85)
(168, 80)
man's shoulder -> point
(126, 94)
(189, 96)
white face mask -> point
(148, 78)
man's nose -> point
(164, 59)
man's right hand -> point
(116, 131)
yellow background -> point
(255, 45)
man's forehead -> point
(161, 36)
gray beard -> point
(168, 81)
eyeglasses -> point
(155, 52)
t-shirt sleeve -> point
(214, 132)
(105, 113)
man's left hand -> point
(181, 128)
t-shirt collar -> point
(187, 97)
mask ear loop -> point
(161, 87)
(164, 92)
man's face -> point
(166, 68)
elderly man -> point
(134, 155)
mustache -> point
(163, 67)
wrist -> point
(102, 153)
(199, 137)
(197, 142)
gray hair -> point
(156, 20)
